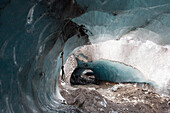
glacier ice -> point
(111, 71)
(31, 43)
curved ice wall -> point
(140, 32)
(33, 34)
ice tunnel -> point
(34, 33)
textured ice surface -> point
(112, 71)
(148, 57)
(142, 31)
(30, 45)
(151, 59)
(103, 24)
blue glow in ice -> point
(112, 71)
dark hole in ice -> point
(87, 77)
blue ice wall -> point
(112, 71)
(28, 64)
(116, 5)
(29, 49)
(101, 20)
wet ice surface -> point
(112, 98)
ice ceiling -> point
(34, 33)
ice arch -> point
(31, 42)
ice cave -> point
(92, 56)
